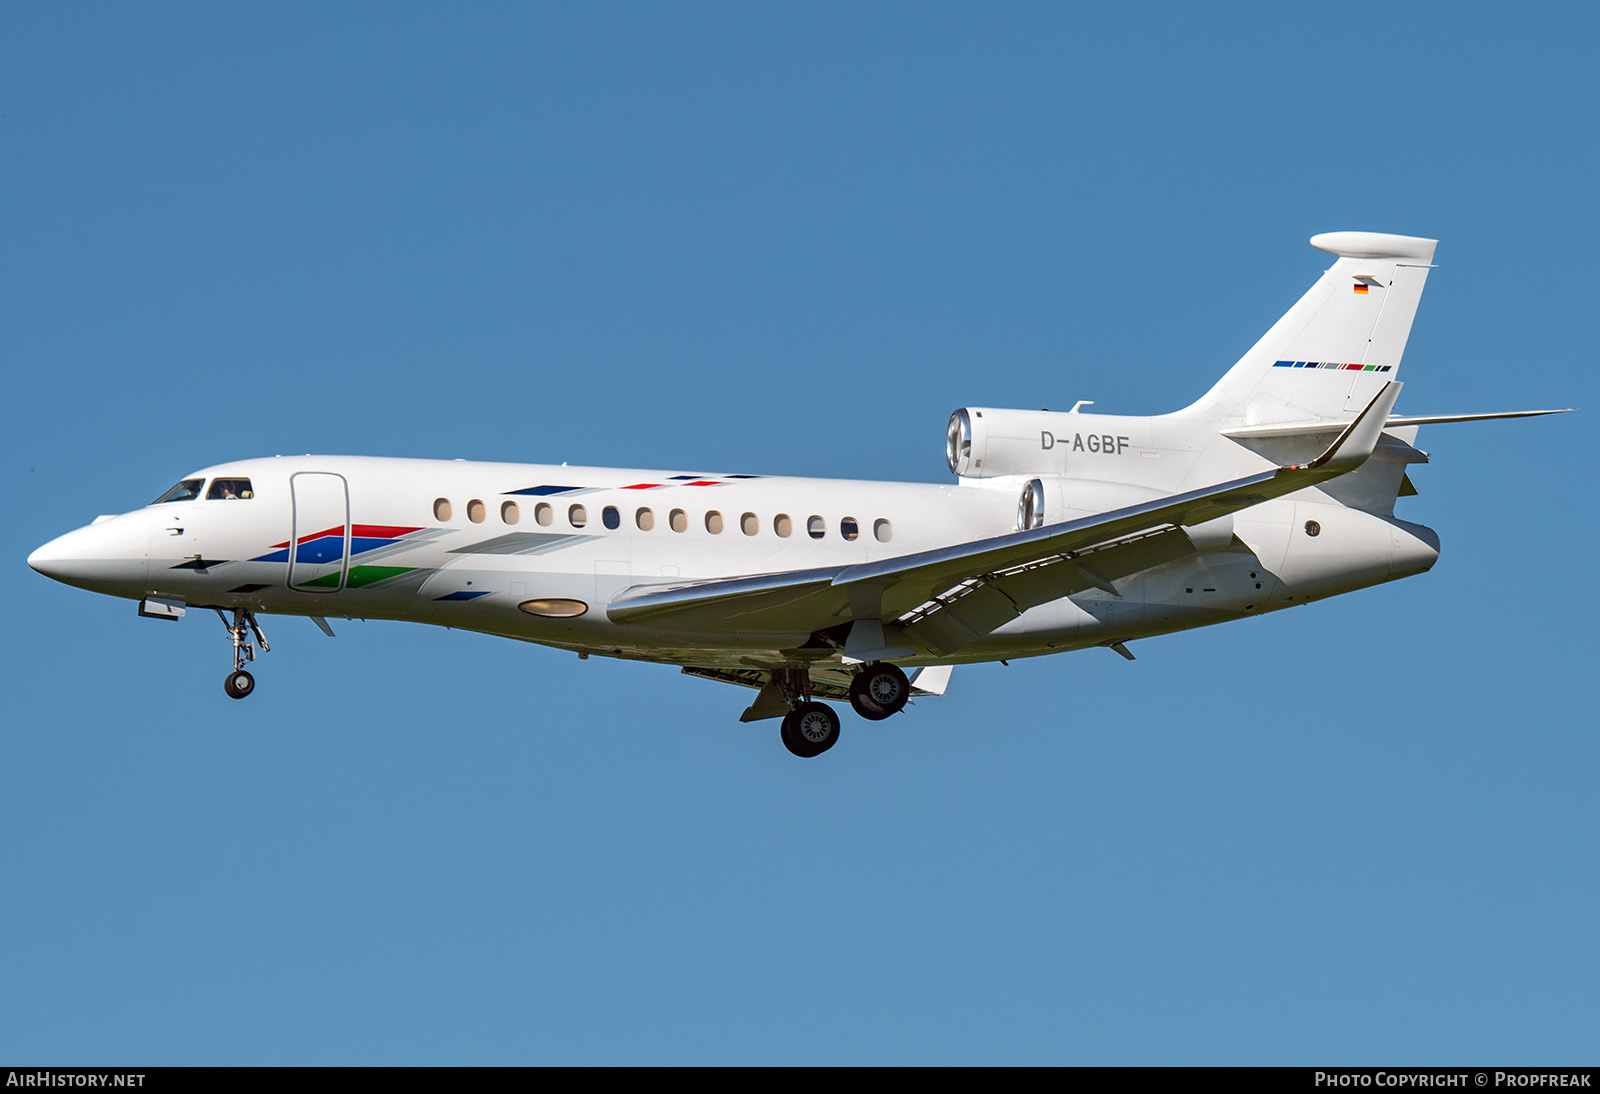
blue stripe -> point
(543, 491)
(360, 544)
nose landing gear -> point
(239, 682)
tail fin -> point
(1336, 348)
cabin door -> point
(320, 537)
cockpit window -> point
(224, 489)
(187, 490)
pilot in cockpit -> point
(229, 490)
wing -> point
(1008, 570)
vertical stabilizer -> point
(1334, 350)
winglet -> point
(1352, 447)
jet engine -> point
(1056, 499)
(985, 443)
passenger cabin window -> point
(848, 528)
(544, 514)
(229, 489)
(645, 519)
(577, 516)
(782, 525)
(441, 509)
(187, 490)
(611, 518)
(509, 513)
(815, 528)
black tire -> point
(239, 684)
(879, 690)
(810, 729)
(788, 737)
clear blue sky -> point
(788, 239)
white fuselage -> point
(537, 552)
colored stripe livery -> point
(328, 544)
(1336, 365)
(548, 490)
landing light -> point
(554, 607)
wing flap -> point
(964, 614)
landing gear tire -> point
(879, 690)
(239, 684)
(810, 729)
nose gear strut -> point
(239, 682)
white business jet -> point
(1061, 531)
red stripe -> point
(642, 486)
(366, 531)
(703, 482)
(381, 531)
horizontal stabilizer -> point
(1440, 419)
(1303, 429)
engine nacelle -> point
(984, 443)
(1051, 499)
(1054, 500)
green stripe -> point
(359, 576)
(366, 575)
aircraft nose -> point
(42, 558)
(109, 556)
(54, 559)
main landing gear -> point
(239, 682)
(811, 728)
(879, 690)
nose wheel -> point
(239, 682)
